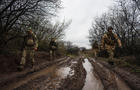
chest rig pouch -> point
(30, 41)
(110, 39)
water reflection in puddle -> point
(64, 72)
(92, 83)
(74, 62)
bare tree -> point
(15, 14)
(124, 18)
(137, 2)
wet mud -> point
(92, 80)
(110, 79)
(77, 73)
(76, 80)
(16, 79)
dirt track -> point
(66, 74)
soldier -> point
(95, 48)
(53, 47)
(109, 42)
(30, 45)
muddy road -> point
(67, 73)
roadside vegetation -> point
(124, 17)
(17, 16)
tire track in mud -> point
(70, 74)
(29, 76)
(6, 79)
(131, 79)
(47, 79)
(77, 80)
(110, 79)
(85, 78)
(93, 81)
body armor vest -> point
(110, 40)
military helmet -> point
(110, 27)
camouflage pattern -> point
(109, 42)
(24, 55)
(53, 48)
(95, 48)
(29, 45)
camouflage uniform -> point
(53, 48)
(29, 45)
(109, 42)
(95, 48)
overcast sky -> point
(82, 13)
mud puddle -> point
(49, 79)
(64, 72)
(92, 82)
(49, 72)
